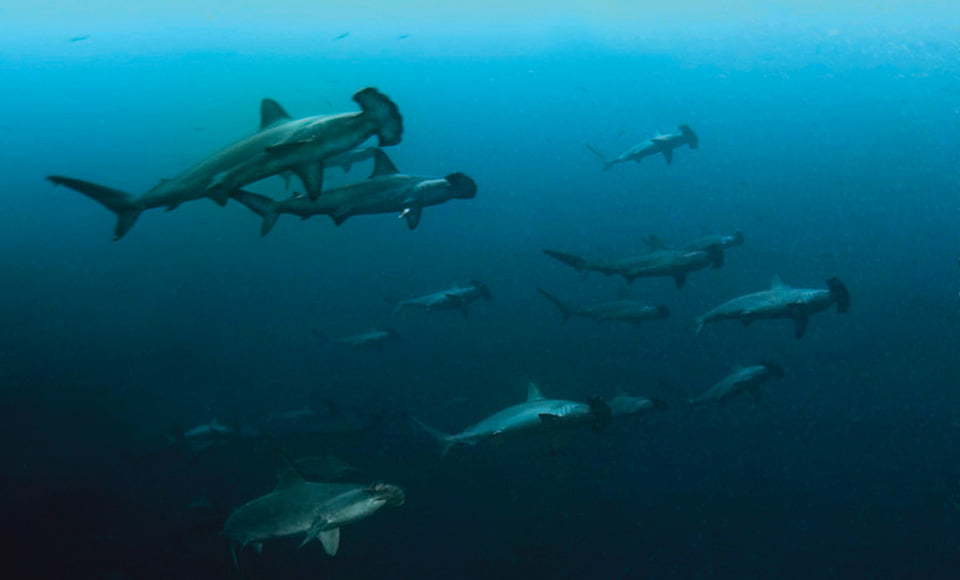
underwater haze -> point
(827, 133)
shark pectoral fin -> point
(668, 155)
(800, 319)
(746, 321)
(679, 279)
(412, 214)
(311, 174)
(315, 531)
(172, 206)
(330, 539)
(340, 215)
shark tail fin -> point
(565, 310)
(840, 293)
(446, 441)
(119, 202)
(261, 205)
(576, 262)
(690, 136)
(607, 164)
(384, 111)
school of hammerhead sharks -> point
(308, 146)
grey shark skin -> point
(661, 144)
(281, 144)
(618, 310)
(344, 161)
(715, 244)
(296, 506)
(704, 243)
(781, 301)
(626, 405)
(740, 381)
(722, 242)
(213, 429)
(375, 338)
(458, 298)
(537, 413)
(662, 262)
(307, 143)
(385, 192)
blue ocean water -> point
(827, 135)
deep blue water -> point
(831, 145)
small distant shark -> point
(374, 338)
(661, 144)
(740, 381)
(618, 310)
(317, 510)
(625, 405)
(282, 144)
(201, 438)
(333, 422)
(709, 243)
(457, 298)
(537, 413)
(781, 301)
(662, 262)
(386, 191)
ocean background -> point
(828, 134)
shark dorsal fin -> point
(382, 165)
(533, 393)
(287, 474)
(271, 113)
(776, 283)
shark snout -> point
(390, 494)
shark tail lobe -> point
(384, 111)
(576, 262)
(564, 309)
(261, 205)
(446, 441)
(698, 324)
(607, 164)
(119, 202)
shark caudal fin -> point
(565, 311)
(698, 323)
(384, 111)
(119, 202)
(607, 164)
(690, 136)
(446, 441)
(840, 293)
(261, 205)
(576, 262)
